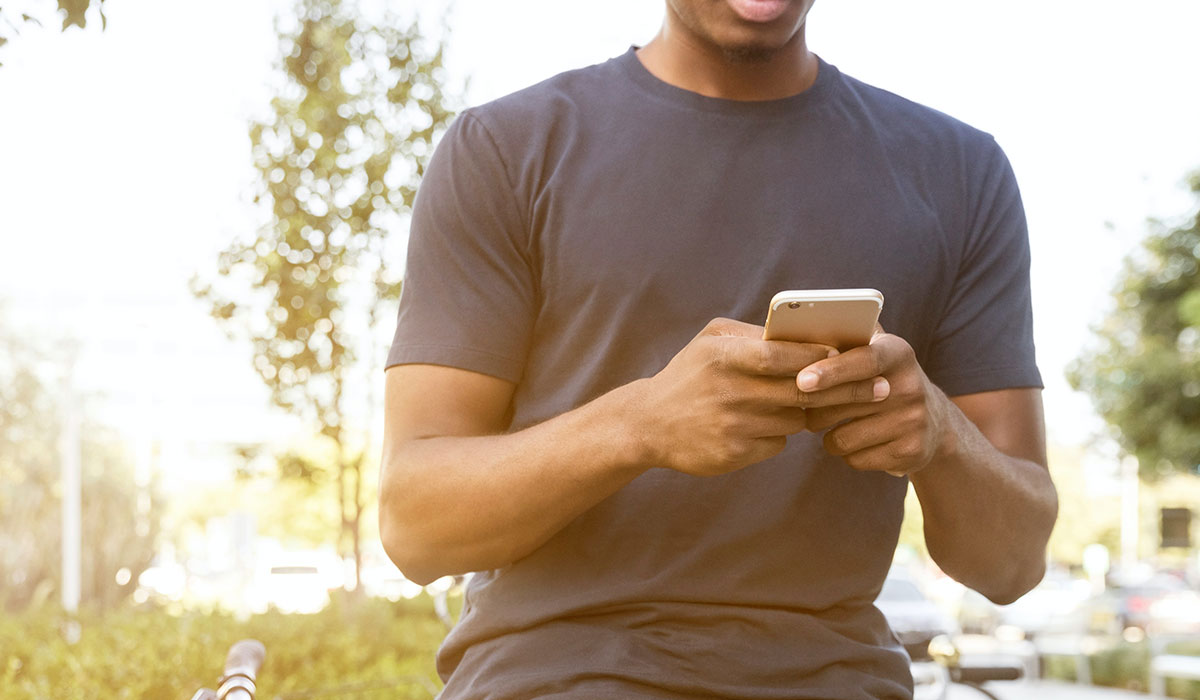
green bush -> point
(1177, 688)
(1127, 666)
(1124, 666)
(361, 649)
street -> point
(1044, 690)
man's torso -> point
(639, 213)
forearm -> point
(988, 515)
(456, 504)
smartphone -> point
(843, 318)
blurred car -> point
(1176, 613)
(297, 581)
(913, 617)
(1052, 607)
(1160, 603)
(916, 620)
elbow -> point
(400, 548)
(1026, 572)
(401, 540)
(1018, 583)
(1000, 581)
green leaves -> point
(74, 14)
(1144, 373)
(338, 160)
(1189, 308)
(336, 171)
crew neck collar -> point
(827, 78)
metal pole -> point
(1129, 512)
(70, 455)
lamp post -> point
(1129, 512)
(70, 458)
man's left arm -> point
(977, 461)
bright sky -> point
(124, 160)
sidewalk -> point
(1045, 690)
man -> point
(580, 405)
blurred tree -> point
(29, 507)
(1144, 374)
(119, 532)
(358, 107)
(73, 13)
(121, 521)
(1084, 516)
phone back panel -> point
(842, 323)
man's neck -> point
(685, 62)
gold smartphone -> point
(843, 318)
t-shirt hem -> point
(961, 383)
(470, 359)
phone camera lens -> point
(793, 304)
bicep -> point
(423, 401)
(1011, 419)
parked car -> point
(916, 620)
(1052, 607)
(297, 581)
(1159, 603)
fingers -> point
(788, 421)
(770, 393)
(856, 435)
(878, 458)
(826, 417)
(884, 353)
(772, 358)
(866, 391)
(874, 443)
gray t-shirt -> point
(573, 236)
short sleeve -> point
(468, 298)
(984, 340)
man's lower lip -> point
(759, 10)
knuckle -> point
(773, 446)
(876, 365)
(717, 324)
(902, 387)
(727, 460)
(917, 418)
(727, 429)
(717, 357)
(762, 360)
(835, 442)
(817, 419)
(735, 454)
(799, 420)
(907, 449)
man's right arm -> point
(458, 494)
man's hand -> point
(990, 506)
(726, 400)
(729, 399)
(900, 431)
